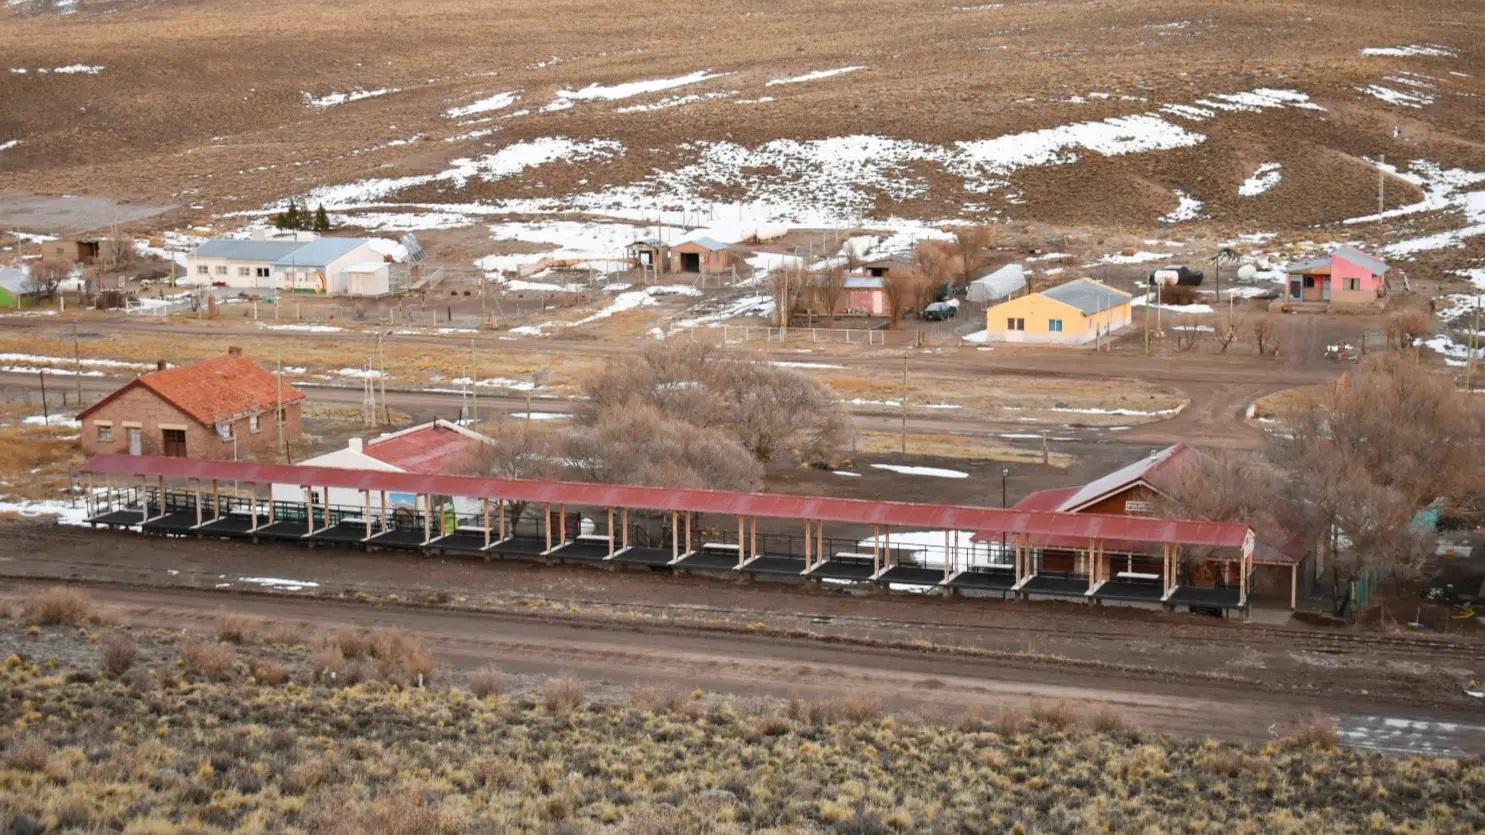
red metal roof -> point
(436, 447)
(1046, 499)
(1085, 526)
(222, 388)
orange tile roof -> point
(217, 389)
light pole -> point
(1005, 473)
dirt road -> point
(940, 686)
(1183, 674)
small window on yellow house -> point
(1015, 324)
(1054, 325)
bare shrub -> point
(562, 695)
(1320, 733)
(657, 699)
(1055, 716)
(119, 652)
(487, 681)
(27, 754)
(1108, 720)
(267, 671)
(856, 709)
(57, 605)
(383, 655)
(209, 659)
(1404, 327)
(1265, 330)
(329, 663)
(401, 659)
(235, 629)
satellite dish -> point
(1247, 272)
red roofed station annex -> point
(223, 408)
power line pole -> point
(77, 364)
(278, 411)
(1469, 367)
(474, 392)
(1381, 183)
(904, 400)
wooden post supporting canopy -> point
(742, 546)
(309, 510)
(196, 493)
(485, 519)
(547, 523)
(610, 533)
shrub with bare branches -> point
(119, 652)
(57, 605)
(1265, 330)
(1404, 327)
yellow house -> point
(1072, 313)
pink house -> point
(1345, 276)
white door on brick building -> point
(134, 445)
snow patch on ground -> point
(1428, 50)
(933, 472)
(8, 144)
(813, 76)
(52, 420)
(1400, 98)
(617, 92)
(677, 101)
(1264, 178)
(64, 512)
(1187, 208)
(499, 101)
(303, 328)
(279, 583)
(333, 99)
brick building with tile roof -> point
(226, 407)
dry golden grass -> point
(58, 605)
(1287, 401)
(956, 446)
(191, 755)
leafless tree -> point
(1228, 331)
(43, 281)
(971, 242)
(1405, 326)
(640, 444)
(1363, 458)
(116, 252)
(1265, 334)
(516, 450)
(1227, 486)
(829, 285)
(765, 409)
(900, 290)
(1187, 334)
(789, 286)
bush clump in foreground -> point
(197, 753)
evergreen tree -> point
(322, 219)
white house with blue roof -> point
(329, 265)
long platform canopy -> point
(1084, 526)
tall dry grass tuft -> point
(209, 659)
(487, 681)
(57, 605)
(562, 695)
(235, 629)
(119, 651)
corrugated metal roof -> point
(319, 252)
(436, 447)
(237, 249)
(1350, 253)
(704, 242)
(1157, 470)
(1084, 526)
(1356, 256)
(865, 282)
(1087, 295)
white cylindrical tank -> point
(1165, 277)
(1246, 272)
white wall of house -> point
(350, 458)
(368, 279)
(297, 277)
(239, 274)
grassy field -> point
(244, 728)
